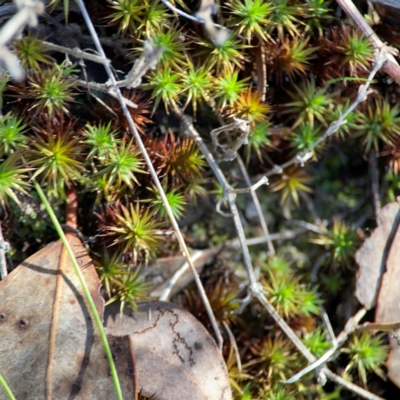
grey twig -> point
(4, 247)
(351, 326)
(76, 52)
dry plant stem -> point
(350, 386)
(6, 388)
(374, 176)
(153, 173)
(76, 52)
(101, 87)
(233, 345)
(363, 92)
(391, 67)
(248, 183)
(186, 15)
(351, 326)
(264, 226)
(4, 247)
(71, 207)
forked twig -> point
(255, 288)
(381, 56)
(153, 173)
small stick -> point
(4, 247)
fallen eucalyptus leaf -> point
(379, 277)
(176, 358)
(373, 255)
(49, 346)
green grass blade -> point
(6, 388)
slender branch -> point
(186, 15)
(350, 386)
(4, 247)
(76, 52)
(351, 326)
(153, 173)
(256, 202)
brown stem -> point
(71, 207)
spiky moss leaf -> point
(225, 57)
(135, 230)
(293, 58)
(127, 14)
(291, 182)
(51, 90)
(175, 199)
(305, 136)
(174, 47)
(155, 17)
(197, 83)
(12, 136)
(380, 122)
(165, 86)
(227, 88)
(367, 354)
(31, 53)
(13, 179)
(274, 360)
(57, 155)
(257, 141)
(250, 17)
(101, 139)
(184, 163)
(342, 242)
(250, 106)
(309, 103)
(357, 50)
(128, 288)
(318, 11)
(290, 297)
(285, 18)
(316, 342)
(109, 268)
(121, 165)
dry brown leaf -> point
(43, 311)
(176, 358)
(379, 278)
(373, 255)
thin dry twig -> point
(254, 286)
(76, 52)
(351, 326)
(4, 247)
(153, 173)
